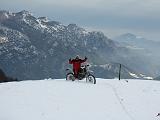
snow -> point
(147, 77)
(66, 100)
(134, 75)
(150, 78)
(56, 29)
(6, 15)
(106, 66)
(85, 32)
(3, 39)
(40, 24)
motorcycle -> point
(84, 73)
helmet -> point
(77, 56)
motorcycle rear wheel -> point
(70, 76)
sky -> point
(113, 17)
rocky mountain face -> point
(35, 48)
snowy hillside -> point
(66, 100)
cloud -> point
(137, 8)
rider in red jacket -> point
(76, 64)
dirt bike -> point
(84, 73)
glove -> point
(69, 59)
(85, 57)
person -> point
(76, 64)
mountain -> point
(144, 49)
(36, 48)
(111, 71)
(137, 42)
(66, 100)
(157, 78)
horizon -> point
(113, 18)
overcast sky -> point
(113, 17)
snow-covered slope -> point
(66, 100)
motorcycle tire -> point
(70, 76)
(91, 79)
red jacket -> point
(76, 63)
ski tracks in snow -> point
(120, 101)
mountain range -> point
(36, 48)
(146, 49)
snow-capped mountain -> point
(36, 48)
(66, 100)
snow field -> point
(78, 100)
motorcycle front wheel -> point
(90, 78)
